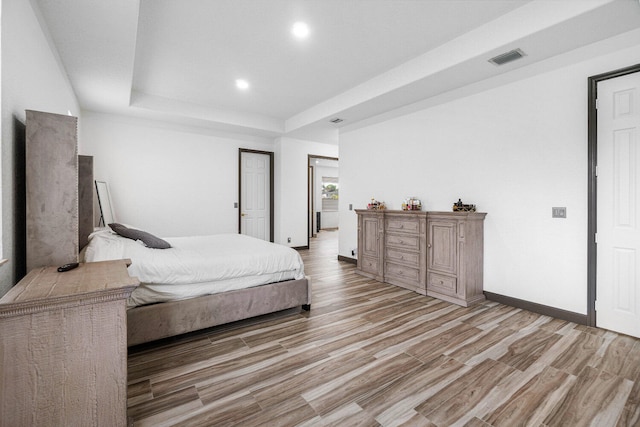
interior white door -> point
(255, 195)
(618, 191)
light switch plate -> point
(559, 212)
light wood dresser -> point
(439, 254)
(63, 350)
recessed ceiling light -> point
(300, 30)
(242, 84)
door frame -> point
(311, 172)
(310, 191)
(592, 220)
(271, 189)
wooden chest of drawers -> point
(439, 254)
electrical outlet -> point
(559, 212)
(288, 239)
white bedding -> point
(196, 266)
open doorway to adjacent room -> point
(323, 195)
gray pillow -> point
(148, 239)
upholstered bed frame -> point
(152, 322)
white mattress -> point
(196, 266)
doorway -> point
(614, 190)
(255, 211)
(322, 195)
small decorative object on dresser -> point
(376, 205)
(439, 254)
(461, 207)
(411, 204)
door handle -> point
(242, 214)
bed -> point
(201, 281)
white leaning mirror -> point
(104, 201)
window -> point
(330, 193)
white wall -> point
(33, 79)
(515, 152)
(291, 187)
(170, 181)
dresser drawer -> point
(411, 259)
(369, 265)
(402, 272)
(441, 283)
(405, 225)
(403, 241)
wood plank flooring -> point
(372, 354)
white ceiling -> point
(177, 61)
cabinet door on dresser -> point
(370, 244)
(405, 244)
(443, 250)
(455, 257)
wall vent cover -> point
(504, 58)
(336, 120)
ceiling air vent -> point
(336, 120)
(507, 57)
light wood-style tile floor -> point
(371, 354)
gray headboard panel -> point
(51, 154)
(85, 199)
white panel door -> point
(255, 197)
(618, 285)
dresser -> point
(63, 345)
(439, 254)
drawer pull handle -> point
(441, 282)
